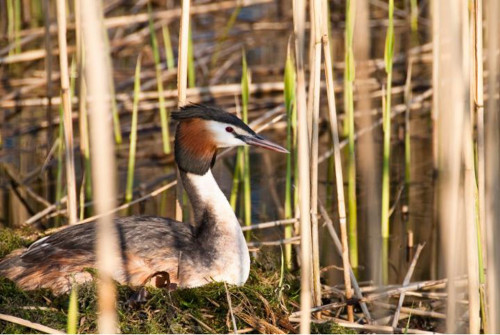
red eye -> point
(229, 129)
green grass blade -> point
(17, 26)
(388, 57)
(60, 160)
(169, 51)
(10, 23)
(191, 69)
(72, 324)
(133, 133)
(159, 82)
(414, 16)
(349, 75)
(233, 199)
(245, 95)
(290, 106)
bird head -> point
(204, 129)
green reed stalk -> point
(191, 69)
(291, 112)
(407, 97)
(36, 13)
(414, 16)
(114, 108)
(233, 199)
(349, 74)
(10, 22)
(84, 138)
(133, 132)
(60, 159)
(159, 82)
(245, 95)
(388, 55)
(17, 26)
(169, 51)
(72, 321)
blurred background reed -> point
(399, 98)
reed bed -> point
(418, 121)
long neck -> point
(207, 199)
(217, 230)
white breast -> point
(233, 265)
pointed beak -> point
(260, 141)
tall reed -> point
(72, 323)
(386, 187)
(492, 178)
(103, 160)
(82, 112)
(349, 75)
(299, 10)
(473, 268)
(182, 77)
(452, 99)
(11, 22)
(407, 97)
(68, 120)
(291, 125)
(233, 198)
(245, 170)
(332, 113)
(159, 83)
(167, 44)
(477, 89)
(17, 26)
(60, 161)
(191, 68)
(315, 7)
(133, 133)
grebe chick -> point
(213, 249)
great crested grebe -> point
(213, 249)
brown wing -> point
(147, 245)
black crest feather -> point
(213, 113)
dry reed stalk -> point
(29, 324)
(475, 196)
(368, 169)
(434, 13)
(233, 320)
(471, 228)
(182, 77)
(478, 95)
(315, 7)
(412, 311)
(270, 224)
(103, 160)
(182, 66)
(340, 250)
(332, 112)
(68, 120)
(492, 166)
(477, 89)
(406, 281)
(452, 105)
(299, 9)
